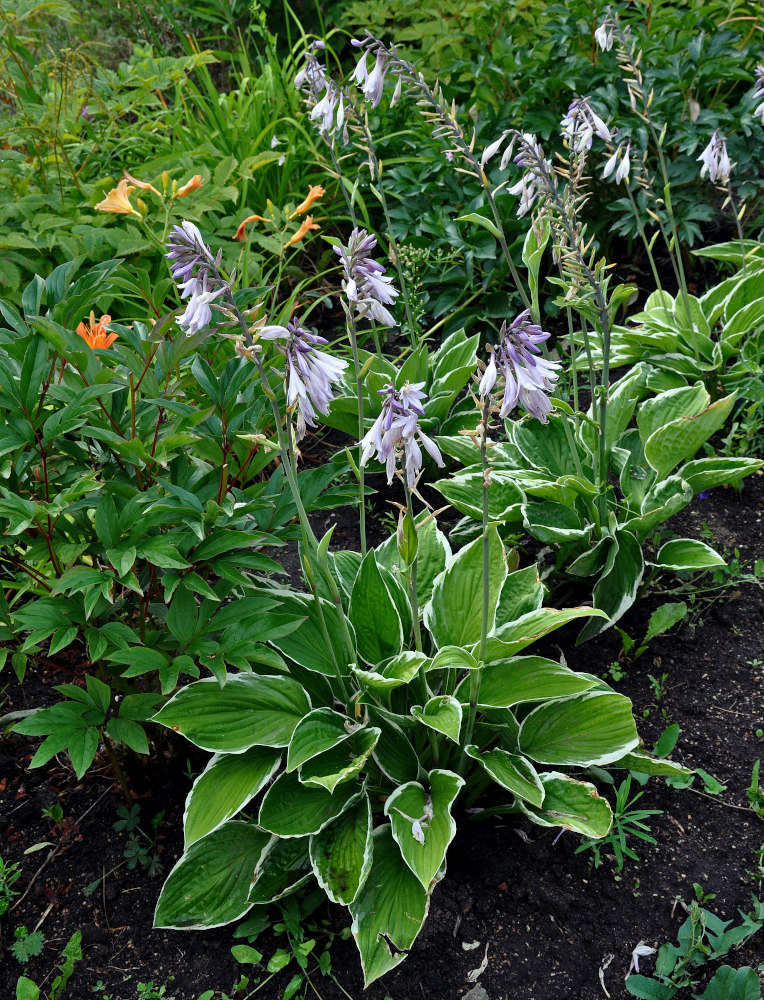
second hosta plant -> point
(349, 756)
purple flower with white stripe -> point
(196, 272)
(581, 124)
(716, 161)
(310, 373)
(396, 433)
(527, 376)
(368, 289)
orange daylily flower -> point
(250, 218)
(314, 193)
(140, 184)
(195, 182)
(95, 334)
(305, 227)
(117, 200)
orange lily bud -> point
(195, 182)
(140, 184)
(250, 218)
(305, 227)
(314, 193)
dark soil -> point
(550, 920)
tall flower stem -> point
(476, 675)
(645, 241)
(413, 576)
(353, 336)
(380, 190)
(737, 215)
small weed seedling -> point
(27, 990)
(9, 874)
(627, 822)
(27, 946)
(754, 793)
(141, 846)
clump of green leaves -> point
(628, 822)
(26, 945)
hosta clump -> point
(342, 759)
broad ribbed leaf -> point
(341, 854)
(320, 730)
(595, 728)
(395, 673)
(465, 492)
(443, 714)
(249, 711)
(209, 886)
(524, 679)
(283, 867)
(669, 444)
(511, 638)
(616, 590)
(422, 823)
(389, 911)
(571, 804)
(514, 773)
(341, 763)
(374, 615)
(706, 473)
(393, 754)
(454, 613)
(290, 809)
(687, 554)
(224, 787)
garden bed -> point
(550, 919)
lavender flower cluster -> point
(196, 271)
(527, 377)
(396, 430)
(368, 289)
(310, 373)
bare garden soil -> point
(549, 919)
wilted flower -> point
(143, 185)
(395, 432)
(603, 36)
(310, 372)
(581, 124)
(641, 951)
(758, 93)
(117, 200)
(196, 271)
(95, 334)
(365, 284)
(195, 182)
(527, 377)
(305, 226)
(624, 166)
(314, 193)
(716, 162)
(239, 235)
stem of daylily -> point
(359, 396)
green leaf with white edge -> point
(393, 754)
(307, 645)
(514, 773)
(374, 615)
(394, 673)
(434, 553)
(481, 220)
(680, 439)
(453, 658)
(687, 554)
(511, 638)
(524, 679)
(661, 501)
(644, 763)
(593, 728)
(283, 867)
(389, 911)
(545, 446)
(209, 886)
(464, 491)
(341, 763)
(673, 404)
(553, 523)
(341, 855)
(707, 473)
(422, 823)
(522, 592)
(443, 714)
(572, 804)
(320, 730)
(249, 711)
(616, 589)
(453, 615)
(224, 787)
(291, 809)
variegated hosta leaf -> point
(389, 911)
(320, 730)
(283, 867)
(209, 886)
(422, 823)
(571, 804)
(512, 772)
(291, 809)
(341, 854)
(443, 714)
(224, 787)
(593, 728)
(341, 763)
